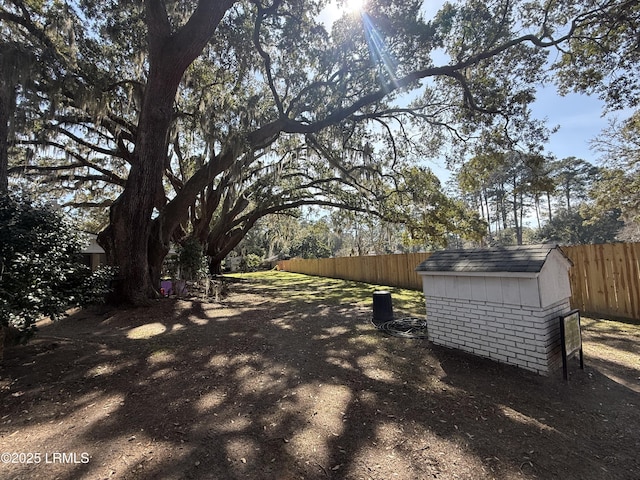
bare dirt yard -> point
(286, 378)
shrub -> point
(251, 262)
(41, 269)
(192, 261)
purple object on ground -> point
(168, 288)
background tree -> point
(473, 181)
(18, 67)
(572, 228)
(280, 231)
(191, 260)
(573, 178)
(15, 63)
(418, 202)
(504, 186)
(619, 185)
(314, 243)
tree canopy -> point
(201, 117)
(619, 186)
(602, 55)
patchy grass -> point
(331, 291)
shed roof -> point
(92, 246)
(522, 258)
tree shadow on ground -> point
(266, 387)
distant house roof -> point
(92, 246)
(524, 258)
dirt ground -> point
(287, 380)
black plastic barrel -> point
(382, 307)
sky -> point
(580, 120)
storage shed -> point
(93, 253)
(501, 303)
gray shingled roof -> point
(525, 258)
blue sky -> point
(579, 118)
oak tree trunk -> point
(215, 266)
(127, 239)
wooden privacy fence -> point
(391, 270)
(605, 279)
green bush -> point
(192, 260)
(41, 268)
(251, 262)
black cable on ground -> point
(405, 327)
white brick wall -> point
(528, 337)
